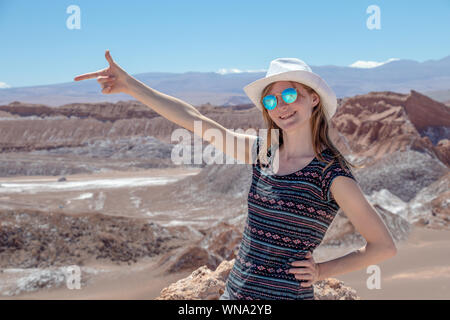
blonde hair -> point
(319, 128)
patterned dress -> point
(288, 216)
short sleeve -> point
(333, 171)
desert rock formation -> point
(205, 284)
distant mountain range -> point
(431, 77)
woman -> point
(299, 181)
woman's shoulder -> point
(328, 160)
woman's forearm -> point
(167, 106)
(356, 260)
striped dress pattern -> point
(288, 216)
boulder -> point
(206, 284)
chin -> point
(292, 125)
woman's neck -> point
(297, 144)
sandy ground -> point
(132, 194)
(420, 270)
(142, 280)
(104, 175)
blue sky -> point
(207, 35)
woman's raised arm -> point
(115, 80)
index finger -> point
(301, 263)
(90, 75)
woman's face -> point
(301, 108)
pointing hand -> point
(112, 79)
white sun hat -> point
(293, 69)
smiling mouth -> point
(287, 116)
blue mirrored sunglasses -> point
(289, 95)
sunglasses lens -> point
(270, 102)
(289, 95)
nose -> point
(282, 106)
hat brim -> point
(311, 79)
